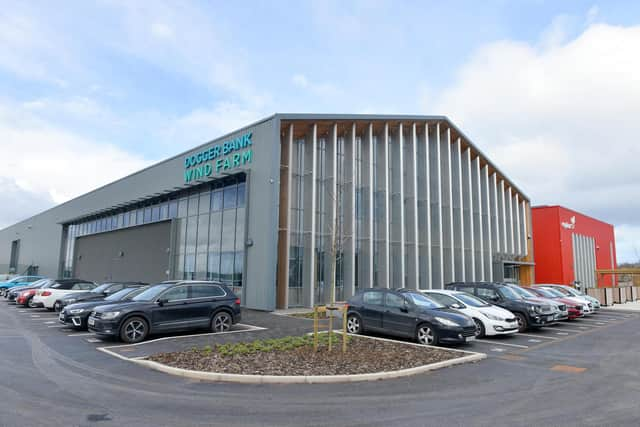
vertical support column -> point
(331, 205)
(400, 172)
(447, 208)
(425, 268)
(349, 196)
(437, 238)
(414, 252)
(510, 227)
(309, 220)
(503, 218)
(371, 212)
(485, 202)
(473, 217)
(284, 220)
(523, 228)
(457, 205)
(387, 231)
(517, 228)
(365, 262)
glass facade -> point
(210, 230)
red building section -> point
(569, 246)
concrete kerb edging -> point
(305, 379)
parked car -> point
(530, 314)
(560, 309)
(594, 304)
(168, 307)
(17, 281)
(47, 297)
(97, 293)
(408, 314)
(13, 293)
(77, 315)
(489, 319)
(574, 306)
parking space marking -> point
(500, 343)
(535, 336)
(534, 340)
(50, 322)
(58, 326)
(34, 316)
(565, 330)
(498, 350)
(562, 333)
(595, 321)
(85, 334)
(93, 340)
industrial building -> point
(570, 246)
(411, 201)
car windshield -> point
(552, 292)
(38, 283)
(565, 291)
(443, 299)
(122, 293)
(470, 300)
(100, 289)
(508, 293)
(151, 293)
(422, 301)
(16, 279)
(523, 292)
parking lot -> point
(51, 375)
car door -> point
(203, 301)
(372, 308)
(174, 313)
(397, 319)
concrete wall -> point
(130, 254)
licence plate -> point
(468, 339)
(61, 316)
(550, 318)
(91, 322)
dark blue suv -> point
(168, 307)
(408, 314)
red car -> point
(575, 310)
(25, 297)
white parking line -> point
(50, 322)
(564, 330)
(594, 321)
(562, 333)
(534, 341)
(536, 336)
(500, 343)
(93, 340)
(80, 334)
(34, 316)
(497, 350)
(58, 326)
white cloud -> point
(560, 117)
(46, 165)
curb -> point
(307, 379)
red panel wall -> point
(553, 247)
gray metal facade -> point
(415, 202)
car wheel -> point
(523, 325)
(426, 335)
(134, 330)
(57, 306)
(480, 331)
(221, 322)
(30, 303)
(354, 324)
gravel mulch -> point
(364, 355)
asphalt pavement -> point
(583, 373)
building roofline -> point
(573, 211)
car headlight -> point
(77, 311)
(110, 315)
(446, 322)
(492, 317)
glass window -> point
(487, 294)
(241, 194)
(240, 220)
(193, 205)
(443, 299)
(372, 297)
(132, 217)
(178, 266)
(139, 217)
(203, 232)
(173, 209)
(205, 202)
(422, 301)
(190, 266)
(228, 230)
(207, 291)
(230, 194)
(151, 293)
(226, 266)
(201, 266)
(182, 207)
(125, 219)
(176, 294)
(213, 271)
(181, 233)
(164, 211)
(238, 269)
(508, 293)
(216, 200)
(471, 300)
(215, 230)
(394, 301)
(192, 231)
(147, 215)
(120, 220)
(114, 222)
(155, 213)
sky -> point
(549, 90)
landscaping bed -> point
(296, 356)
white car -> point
(47, 297)
(591, 304)
(489, 319)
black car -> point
(407, 314)
(97, 293)
(529, 314)
(77, 315)
(12, 294)
(168, 307)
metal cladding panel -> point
(553, 230)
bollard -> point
(315, 328)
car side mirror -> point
(405, 307)
(455, 305)
(162, 301)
